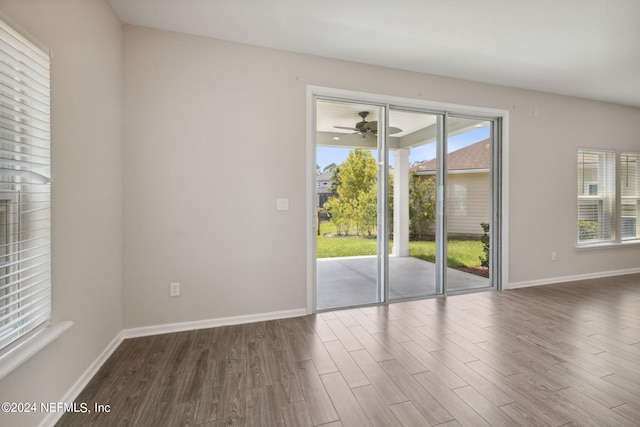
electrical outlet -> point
(174, 289)
(554, 256)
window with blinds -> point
(25, 202)
(630, 194)
(596, 196)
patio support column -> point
(401, 202)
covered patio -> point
(351, 281)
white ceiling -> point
(585, 48)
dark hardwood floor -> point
(558, 355)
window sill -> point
(30, 347)
(633, 243)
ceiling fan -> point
(364, 127)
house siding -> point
(468, 202)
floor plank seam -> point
(547, 356)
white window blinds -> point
(596, 196)
(630, 194)
(25, 203)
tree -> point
(390, 200)
(335, 182)
(329, 168)
(354, 184)
(358, 174)
(422, 205)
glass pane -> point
(630, 192)
(347, 204)
(412, 204)
(468, 205)
(596, 196)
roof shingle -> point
(474, 156)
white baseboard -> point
(210, 323)
(74, 391)
(70, 396)
(564, 279)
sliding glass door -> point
(348, 185)
(413, 164)
(404, 199)
(468, 207)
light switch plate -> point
(282, 204)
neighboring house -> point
(323, 190)
(468, 185)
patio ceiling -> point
(416, 128)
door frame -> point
(499, 183)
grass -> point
(461, 253)
(332, 247)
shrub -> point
(587, 230)
(484, 259)
(339, 214)
(365, 213)
(422, 205)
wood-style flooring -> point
(557, 355)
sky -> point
(327, 155)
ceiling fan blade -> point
(364, 127)
(373, 127)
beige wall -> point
(86, 40)
(215, 132)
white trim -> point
(53, 417)
(457, 109)
(564, 279)
(504, 203)
(210, 323)
(311, 204)
(607, 245)
(420, 104)
(26, 350)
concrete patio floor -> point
(350, 281)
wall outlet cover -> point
(174, 289)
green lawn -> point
(461, 253)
